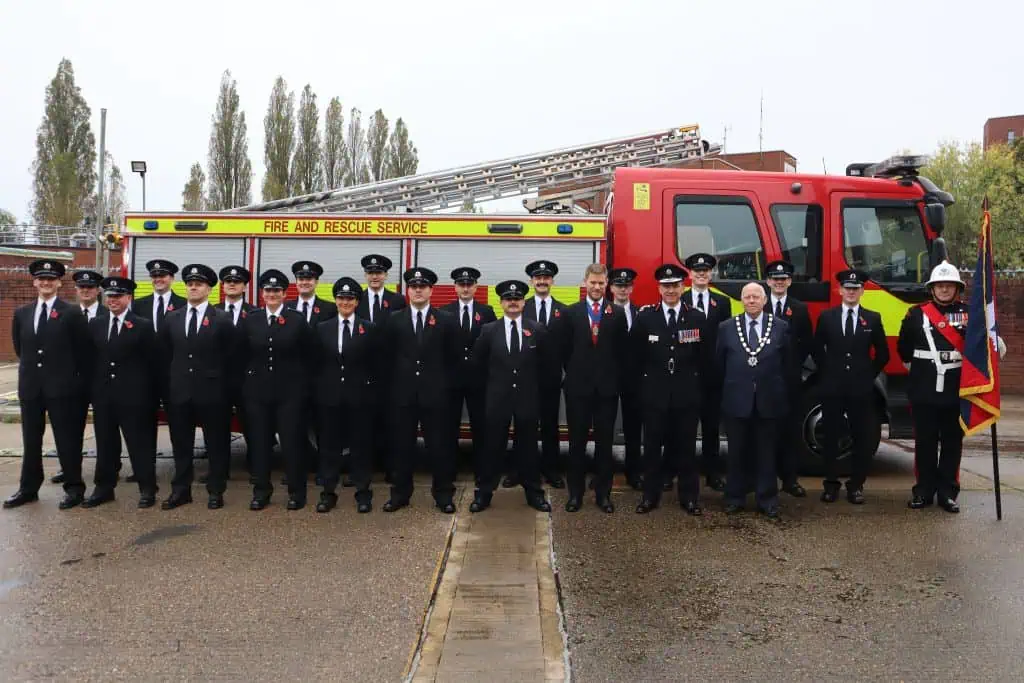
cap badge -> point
(668, 271)
(156, 265)
(373, 260)
(345, 288)
(234, 271)
(305, 266)
(195, 270)
(512, 288)
(543, 265)
(273, 281)
(700, 260)
(465, 273)
(418, 274)
(46, 265)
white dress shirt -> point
(856, 315)
(629, 316)
(166, 296)
(120, 323)
(341, 329)
(201, 311)
(508, 332)
(413, 310)
(707, 298)
(238, 309)
(90, 311)
(463, 305)
(536, 302)
(309, 309)
(777, 300)
(49, 309)
(665, 308)
(758, 327)
(274, 314)
(371, 294)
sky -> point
(480, 81)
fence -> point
(46, 235)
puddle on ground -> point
(164, 533)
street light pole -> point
(140, 168)
(100, 209)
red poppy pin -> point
(244, 314)
(280, 320)
(714, 303)
(431, 321)
(128, 324)
(170, 307)
(385, 304)
(206, 322)
(608, 310)
(362, 330)
(789, 311)
(527, 333)
(863, 322)
(558, 313)
(476, 317)
(53, 315)
(316, 309)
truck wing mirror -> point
(936, 216)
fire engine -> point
(882, 218)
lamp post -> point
(140, 168)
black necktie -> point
(376, 307)
(672, 318)
(544, 311)
(346, 335)
(193, 322)
(419, 326)
(700, 301)
(42, 318)
(85, 312)
(465, 317)
(752, 338)
(231, 310)
(159, 312)
(778, 308)
(114, 330)
(849, 323)
(305, 310)
(513, 341)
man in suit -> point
(794, 312)
(87, 291)
(124, 394)
(850, 350)
(199, 341)
(548, 311)
(716, 309)
(280, 348)
(345, 391)
(378, 303)
(421, 343)
(51, 340)
(512, 355)
(593, 342)
(754, 357)
(629, 398)
(233, 281)
(466, 385)
(668, 355)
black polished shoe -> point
(555, 481)
(296, 503)
(949, 505)
(540, 504)
(392, 505)
(733, 509)
(645, 506)
(71, 500)
(715, 483)
(856, 496)
(346, 481)
(479, 504)
(363, 508)
(510, 481)
(146, 500)
(447, 507)
(635, 483)
(919, 503)
(20, 498)
(829, 496)
(327, 502)
(573, 504)
(259, 503)
(692, 508)
(98, 498)
(132, 479)
(606, 505)
(57, 478)
(795, 490)
(772, 513)
(215, 502)
(176, 500)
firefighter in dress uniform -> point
(669, 355)
(51, 340)
(629, 396)
(850, 350)
(345, 390)
(467, 387)
(512, 356)
(233, 281)
(931, 344)
(124, 395)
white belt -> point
(947, 357)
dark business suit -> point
(198, 393)
(236, 377)
(592, 371)
(467, 386)
(550, 390)
(390, 302)
(668, 364)
(512, 397)
(717, 309)
(124, 393)
(53, 367)
(801, 336)
(420, 376)
(84, 398)
(847, 368)
(345, 391)
(381, 419)
(632, 408)
(754, 399)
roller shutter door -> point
(215, 252)
(339, 257)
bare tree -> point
(356, 168)
(193, 196)
(64, 173)
(307, 166)
(228, 166)
(403, 159)
(334, 145)
(377, 145)
(278, 142)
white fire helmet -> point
(945, 272)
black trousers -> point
(68, 426)
(215, 420)
(584, 412)
(473, 397)
(859, 411)
(632, 432)
(440, 450)
(236, 396)
(525, 459)
(670, 445)
(787, 450)
(341, 426)
(751, 460)
(938, 445)
(134, 419)
(710, 432)
(284, 415)
(550, 459)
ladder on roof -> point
(506, 177)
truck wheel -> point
(812, 438)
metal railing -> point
(46, 235)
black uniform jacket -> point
(513, 381)
(593, 368)
(126, 365)
(56, 362)
(143, 306)
(279, 357)
(198, 364)
(391, 302)
(322, 310)
(420, 372)
(922, 370)
(482, 314)
(847, 367)
(717, 310)
(348, 378)
(669, 363)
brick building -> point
(1003, 130)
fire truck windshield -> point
(886, 239)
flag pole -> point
(995, 473)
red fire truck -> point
(882, 218)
